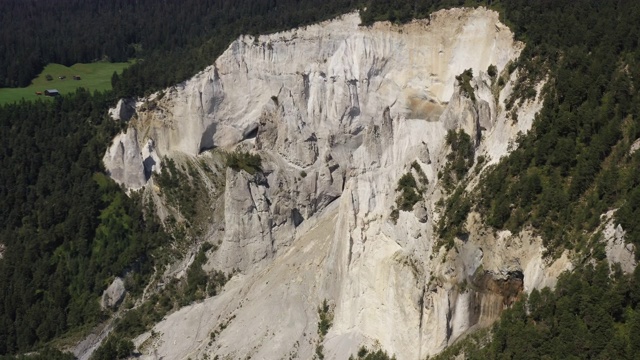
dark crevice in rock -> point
(296, 217)
(148, 165)
(251, 132)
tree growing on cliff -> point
(242, 160)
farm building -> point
(76, 77)
(52, 92)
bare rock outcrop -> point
(124, 161)
(324, 84)
(635, 146)
(113, 295)
(616, 249)
(124, 110)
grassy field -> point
(94, 76)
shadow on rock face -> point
(148, 164)
(296, 217)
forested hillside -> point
(66, 229)
(572, 167)
(575, 163)
(175, 39)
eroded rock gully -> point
(338, 113)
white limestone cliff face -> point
(129, 162)
(338, 112)
(123, 160)
(328, 77)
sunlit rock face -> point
(338, 113)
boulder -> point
(420, 211)
(113, 295)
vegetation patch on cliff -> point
(243, 160)
(459, 160)
(411, 190)
(365, 354)
(452, 221)
(464, 81)
(325, 320)
(184, 188)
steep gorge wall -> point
(330, 78)
(351, 108)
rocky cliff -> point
(339, 113)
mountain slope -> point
(339, 113)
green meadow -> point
(93, 76)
